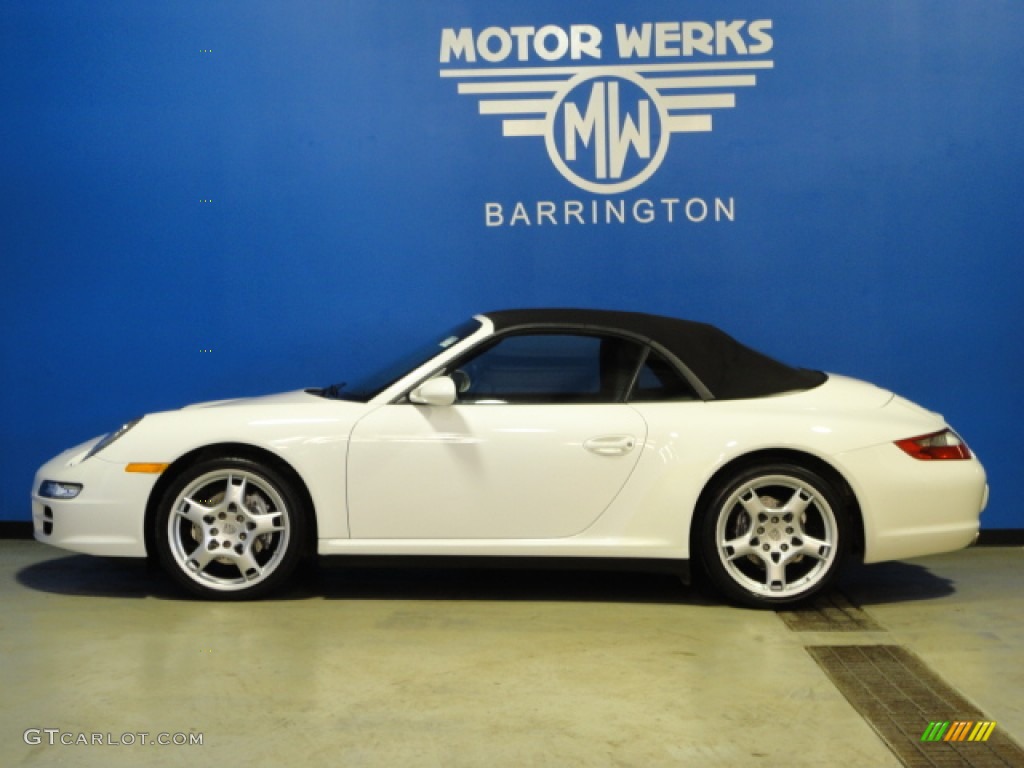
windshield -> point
(365, 388)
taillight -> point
(936, 446)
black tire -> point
(773, 535)
(230, 529)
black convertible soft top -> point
(727, 369)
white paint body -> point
(610, 481)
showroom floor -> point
(417, 667)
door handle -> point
(611, 445)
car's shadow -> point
(333, 579)
(894, 582)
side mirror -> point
(461, 379)
(436, 391)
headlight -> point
(52, 489)
(111, 437)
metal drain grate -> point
(830, 613)
(902, 698)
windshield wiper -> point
(332, 392)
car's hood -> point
(297, 397)
(277, 423)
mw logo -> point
(606, 127)
(605, 133)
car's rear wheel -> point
(229, 528)
(774, 535)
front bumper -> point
(106, 518)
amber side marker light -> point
(147, 468)
(936, 446)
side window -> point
(549, 368)
(659, 380)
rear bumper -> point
(912, 508)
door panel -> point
(492, 471)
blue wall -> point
(209, 199)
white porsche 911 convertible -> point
(531, 434)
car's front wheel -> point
(229, 528)
(773, 535)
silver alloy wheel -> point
(777, 536)
(228, 529)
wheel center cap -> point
(230, 529)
